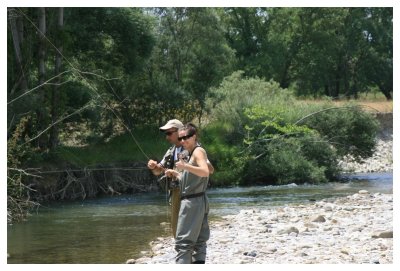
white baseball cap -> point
(174, 123)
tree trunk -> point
(42, 50)
(55, 97)
(387, 93)
(40, 111)
(17, 41)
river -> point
(113, 229)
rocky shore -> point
(353, 229)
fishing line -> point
(80, 170)
(281, 136)
(332, 108)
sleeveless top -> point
(192, 184)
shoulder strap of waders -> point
(190, 154)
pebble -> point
(289, 236)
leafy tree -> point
(378, 64)
(114, 45)
(247, 30)
(98, 44)
(237, 92)
(315, 51)
(191, 56)
(335, 52)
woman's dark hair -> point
(190, 128)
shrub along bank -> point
(261, 134)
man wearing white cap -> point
(168, 162)
(171, 132)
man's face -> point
(172, 136)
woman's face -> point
(187, 139)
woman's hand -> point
(180, 165)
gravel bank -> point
(354, 229)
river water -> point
(113, 229)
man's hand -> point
(171, 173)
(152, 164)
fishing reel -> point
(168, 183)
(184, 155)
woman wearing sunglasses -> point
(192, 230)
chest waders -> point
(192, 231)
(175, 206)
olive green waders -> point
(175, 206)
(192, 230)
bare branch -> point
(58, 121)
(23, 171)
(39, 86)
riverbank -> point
(353, 229)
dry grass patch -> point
(370, 106)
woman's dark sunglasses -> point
(186, 137)
(170, 133)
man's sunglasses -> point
(186, 137)
(170, 133)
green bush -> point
(283, 152)
(349, 129)
(285, 162)
(261, 134)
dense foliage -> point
(279, 139)
(82, 76)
